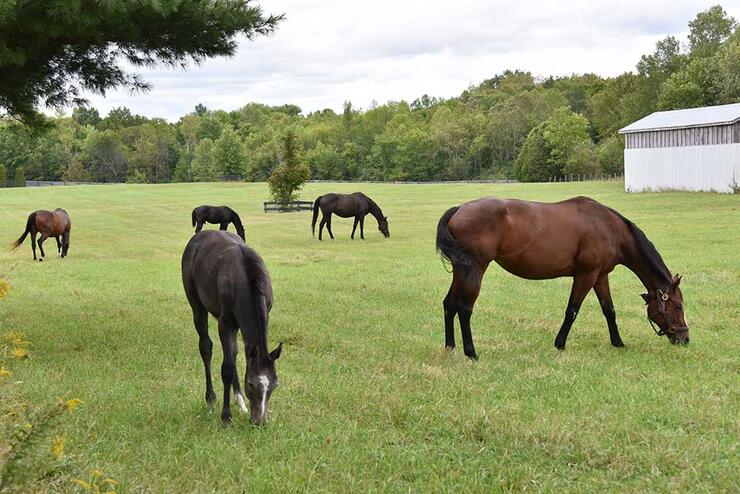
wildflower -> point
(5, 372)
(82, 483)
(57, 446)
(70, 405)
(19, 353)
(4, 288)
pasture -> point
(369, 399)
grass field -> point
(369, 400)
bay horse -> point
(49, 224)
(224, 277)
(220, 215)
(346, 206)
(578, 237)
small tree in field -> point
(288, 178)
(3, 176)
(20, 177)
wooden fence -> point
(282, 207)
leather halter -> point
(661, 295)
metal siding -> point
(692, 168)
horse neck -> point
(636, 262)
(375, 210)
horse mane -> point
(260, 285)
(375, 209)
(646, 249)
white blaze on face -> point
(265, 381)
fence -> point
(283, 207)
(593, 177)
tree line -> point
(513, 125)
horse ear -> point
(676, 280)
(645, 297)
(275, 354)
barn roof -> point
(681, 119)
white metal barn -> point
(696, 149)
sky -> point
(327, 52)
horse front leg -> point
(607, 308)
(227, 335)
(582, 284)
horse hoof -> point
(560, 346)
(618, 344)
(41, 260)
(472, 356)
(449, 348)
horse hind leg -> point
(449, 313)
(59, 246)
(463, 294)
(607, 308)
(205, 345)
(354, 227)
(33, 243)
(328, 227)
(582, 284)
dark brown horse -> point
(223, 276)
(580, 238)
(219, 215)
(49, 224)
(347, 206)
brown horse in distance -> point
(356, 204)
(49, 224)
(579, 237)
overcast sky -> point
(326, 52)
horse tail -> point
(315, 215)
(29, 225)
(450, 249)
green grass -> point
(369, 400)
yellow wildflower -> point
(19, 353)
(82, 483)
(5, 372)
(71, 405)
(4, 288)
(57, 446)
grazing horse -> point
(223, 276)
(49, 224)
(220, 215)
(579, 237)
(346, 206)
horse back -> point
(539, 240)
(214, 271)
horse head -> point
(665, 309)
(261, 381)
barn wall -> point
(695, 136)
(695, 168)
